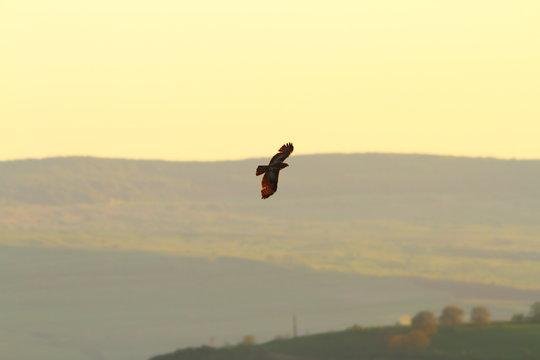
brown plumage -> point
(271, 171)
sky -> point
(223, 80)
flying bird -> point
(271, 171)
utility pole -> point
(294, 327)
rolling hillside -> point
(108, 259)
(503, 341)
(450, 218)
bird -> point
(271, 171)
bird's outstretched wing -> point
(283, 153)
(269, 183)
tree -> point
(534, 314)
(452, 316)
(518, 318)
(425, 321)
(248, 340)
(480, 315)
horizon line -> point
(263, 157)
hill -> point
(463, 219)
(505, 187)
(150, 255)
(502, 341)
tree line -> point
(532, 317)
(425, 323)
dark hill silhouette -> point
(477, 342)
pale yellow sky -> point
(214, 79)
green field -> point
(498, 341)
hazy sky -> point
(215, 79)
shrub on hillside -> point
(355, 327)
(415, 339)
(248, 340)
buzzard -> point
(271, 171)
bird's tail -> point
(261, 169)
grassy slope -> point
(492, 342)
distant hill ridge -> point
(451, 218)
(72, 180)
